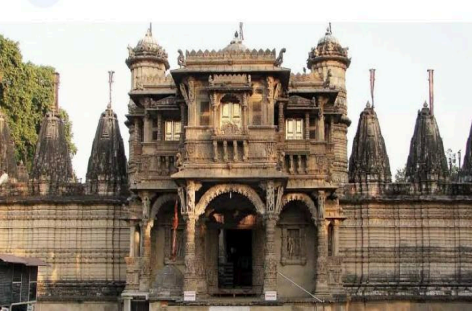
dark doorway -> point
(235, 270)
(139, 305)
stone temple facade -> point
(238, 192)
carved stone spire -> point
(427, 160)
(369, 159)
(466, 172)
(52, 167)
(106, 172)
(7, 150)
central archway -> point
(218, 190)
(231, 215)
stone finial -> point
(52, 166)
(427, 160)
(106, 172)
(369, 159)
(7, 150)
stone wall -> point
(83, 241)
(407, 247)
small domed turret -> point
(147, 49)
(328, 47)
(236, 44)
(148, 61)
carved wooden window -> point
(294, 129)
(172, 130)
(293, 245)
(231, 114)
(179, 257)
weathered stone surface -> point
(106, 172)
(369, 159)
(427, 160)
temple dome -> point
(236, 44)
(148, 48)
(328, 38)
(328, 47)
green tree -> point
(452, 162)
(400, 175)
(26, 94)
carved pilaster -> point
(281, 121)
(190, 279)
(321, 200)
(225, 151)
(322, 259)
(270, 258)
(336, 224)
(159, 126)
(307, 125)
(215, 151)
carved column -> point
(159, 126)
(225, 151)
(244, 114)
(307, 125)
(132, 232)
(215, 150)
(336, 224)
(182, 121)
(322, 259)
(138, 138)
(270, 258)
(147, 127)
(281, 121)
(320, 136)
(214, 107)
(145, 276)
(190, 279)
(235, 150)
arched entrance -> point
(231, 216)
(297, 243)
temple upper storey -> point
(231, 113)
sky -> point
(83, 44)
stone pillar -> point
(182, 121)
(336, 224)
(126, 303)
(270, 258)
(145, 276)
(159, 126)
(320, 136)
(132, 231)
(307, 125)
(190, 283)
(322, 259)
(147, 127)
(281, 121)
